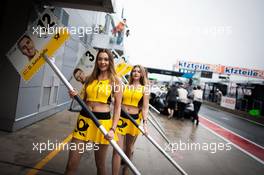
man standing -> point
(171, 98)
(218, 95)
(119, 29)
(182, 100)
(197, 102)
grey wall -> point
(12, 27)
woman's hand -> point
(73, 93)
(110, 135)
(145, 127)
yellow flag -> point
(123, 68)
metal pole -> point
(88, 112)
(152, 107)
(159, 130)
(156, 121)
(155, 143)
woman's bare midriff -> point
(98, 107)
(131, 109)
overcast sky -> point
(228, 32)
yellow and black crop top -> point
(133, 96)
(99, 91)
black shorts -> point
(171, 104)
(98, 115)
(134, 116)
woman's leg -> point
(74, 158)
(129, 149)
(116, 160)
(100, 157)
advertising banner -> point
(44, 37)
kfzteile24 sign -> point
(221, 69)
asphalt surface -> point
(194, 148)
(244, 128)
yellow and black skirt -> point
(125, 126)
(86, 130)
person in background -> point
(197, 102)
(218, 96)
(171, 98)
(182, 100)
(119, 30)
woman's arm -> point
(117, 109)
(145, 106)
(118, 92)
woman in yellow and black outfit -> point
(135, 102)
(99, 89)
